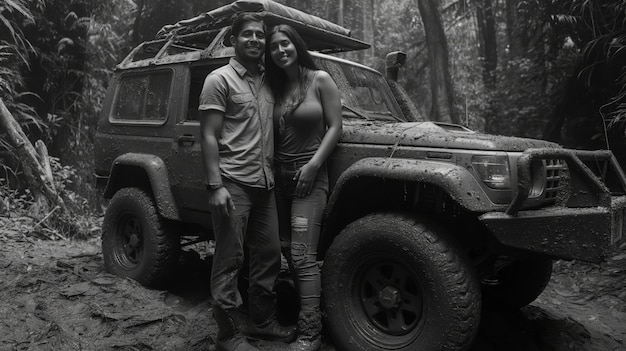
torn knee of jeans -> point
(302, 259)
(298, 253)
(299, 224)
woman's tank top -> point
(299, 131)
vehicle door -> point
(188, 175)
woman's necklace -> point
(291, 98)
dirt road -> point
(55, 295)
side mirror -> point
(393, 62)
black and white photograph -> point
(330, 175)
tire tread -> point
(162, 260)
(450, 260)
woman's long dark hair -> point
(276, 76)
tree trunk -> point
(442, 108)
(36, 165)
(488, 54)
(512, 36)
(488, 44)
(368, 28)
(138, 24)
(340, 13)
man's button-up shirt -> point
(246, 143)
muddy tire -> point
(135, 240)
(394, 283)
(519, 284)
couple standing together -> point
(266, 128)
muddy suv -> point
(426, 222)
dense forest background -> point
(549, 69)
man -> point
(237, 147)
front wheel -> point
(135, 240)
(394, 283)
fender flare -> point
(156, 170)
(445, 175)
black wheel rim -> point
(387, 301)
(128, 241)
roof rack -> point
(319, 34)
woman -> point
(307, 125)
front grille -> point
(555, 170)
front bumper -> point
(589, 216)
(584, 234)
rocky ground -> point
(55, 295)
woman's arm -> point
(330, 97)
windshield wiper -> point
(390, 114)
(356, 112)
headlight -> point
(493, 171)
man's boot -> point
(270, 330)
(263, 324)
(228, 336)
(309, 329)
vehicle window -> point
(193, 42)
(198, 74)
(143, 97)
(148, 50)
(363, 90)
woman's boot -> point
(309, 329)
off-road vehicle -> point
(426, 222)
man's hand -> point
(221, 202)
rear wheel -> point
(136, 242)
(395, 283)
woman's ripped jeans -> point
(300, 221)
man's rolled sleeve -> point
(214, 94)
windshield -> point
(364, 92)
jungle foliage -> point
(544, 69)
